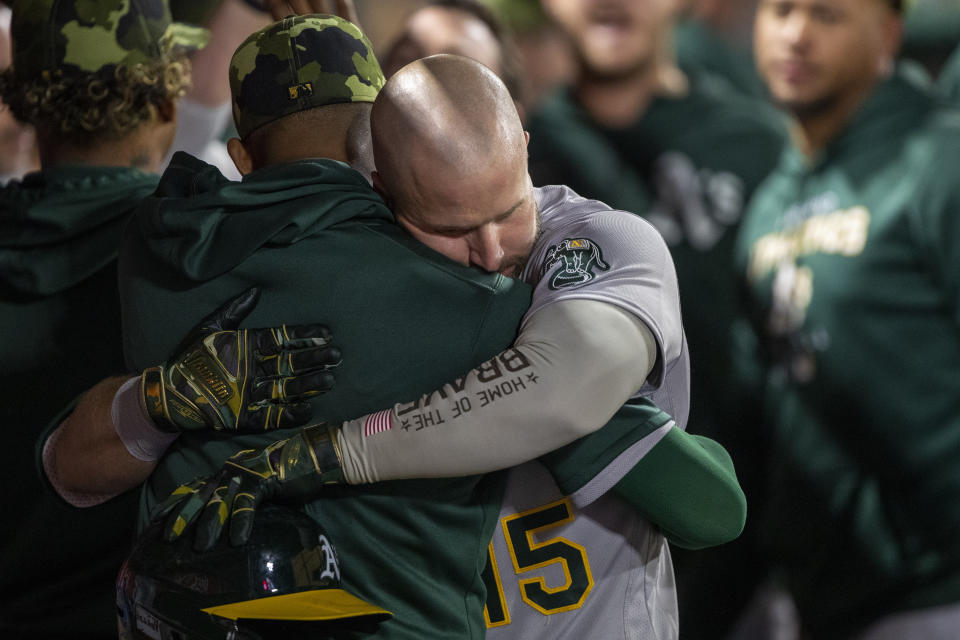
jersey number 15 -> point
(528, 555)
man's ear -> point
(240, 156)
(167, 111)
(526, 136)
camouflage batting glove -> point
(240, 380)
(291, 470)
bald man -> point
(604, 284)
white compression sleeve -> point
(571, 368)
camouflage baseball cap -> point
(92, 35)
(299, 63)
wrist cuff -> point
(142, 439)
(324, 449)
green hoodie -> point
(949, 77)
(853, 268)
(324, 248)
(60, 318)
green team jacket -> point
(323, 247)
(949, 77)
(853, 265)
(689, 166)
(60, 322)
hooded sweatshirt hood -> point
(60, 226)
(200, 224)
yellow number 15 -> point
(528, 555)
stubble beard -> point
(514, 268)
(810, 109)
(614, 76)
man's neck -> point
(305, 148)
(359, 160)
(621, 102)
(138, 150)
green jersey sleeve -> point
(684, 484)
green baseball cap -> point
(87, 36)
(299, 63)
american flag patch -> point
(377, 423)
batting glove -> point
(240, 380)
(291, 470)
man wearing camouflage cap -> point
(99, 82)
(313, 235)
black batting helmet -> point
(285, 582)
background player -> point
(101, 91)
(849, 252)
(467, 28)
(17, 140)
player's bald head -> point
(441, 123)
(451, 160)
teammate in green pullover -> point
(100, 87)
(850, 254)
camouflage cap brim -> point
(184, 37)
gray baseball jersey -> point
(613, 565)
